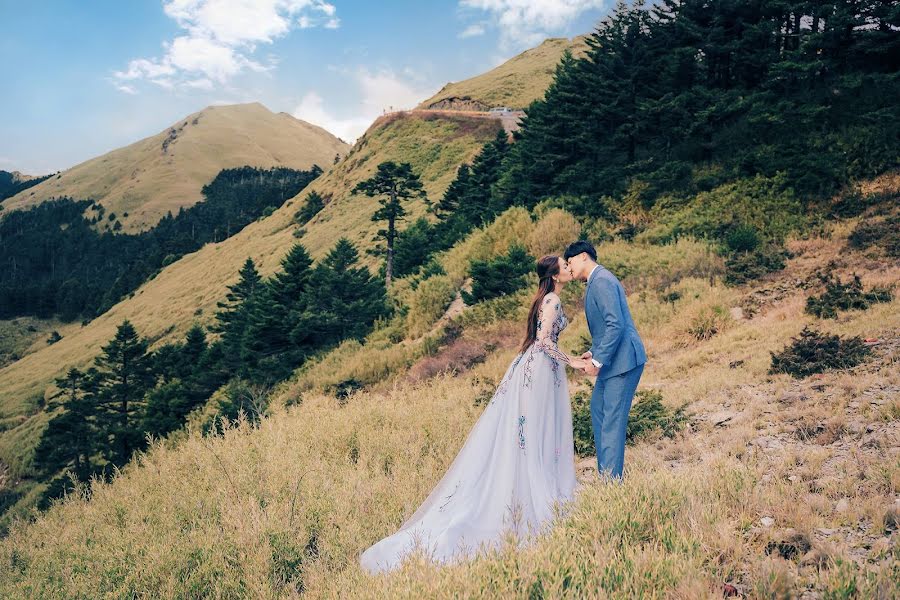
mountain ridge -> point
(514, 83)
(166, 171)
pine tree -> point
(456, 192)
(413, 247)
(311, 207)
(187, 385)
(267, 352)
(479, 206)
(345, 299)
(70, 440)
(124, 376)
(231, 319)
(392, 184)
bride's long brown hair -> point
(547, 268)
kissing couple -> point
(518, 462)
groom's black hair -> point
(576, 248)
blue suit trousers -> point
(610, 405)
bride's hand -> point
(578, 364)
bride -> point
(517, 462)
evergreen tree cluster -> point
(53, 263)
(469, 202)
(312, 205)
(498, 277)
(683, 95)
(10, 185)
(267, 328)
(675, 100)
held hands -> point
(579, 364)
(589, 368)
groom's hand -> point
(590, 369)
(587, 355)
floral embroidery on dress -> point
(548, 342)
(504, 385)
(522, 432)
(529, 369)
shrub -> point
(844, 296)
(708, 322)
(769, 205)
(342, 390)
(500, 276)
(885, 233)
(648, 415)
(311, 207)
(814, 352)
(511, 307)
(460, 356)
(743, 238)
(743, 267)
(428, 303)
(553, 233)
(511, 227)
(660, 265)
(854, 202)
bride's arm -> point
(550, 310)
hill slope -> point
(187, 290)
(777, 485)
(166, 171)
(515, 83)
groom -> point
(617, 355)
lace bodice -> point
(551, 321)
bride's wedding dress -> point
(517, 462)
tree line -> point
(265, 329)
(10, 184)
(55, 262)
(683, 97)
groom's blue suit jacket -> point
(615, 342)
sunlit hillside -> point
(166, 171)
(187, 291)
(515, 83)
(773, 487)
(741, 182)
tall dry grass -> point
(777, 486)
(288, 507)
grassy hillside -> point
(777, 487)
(187, 290)
(25, 335)
(515, 83)
(166, 171)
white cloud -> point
(473, 30)
(312, 110)
(125, 88)
(219, 38)
(524, 23)
(379, 92)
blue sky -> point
(82, 78)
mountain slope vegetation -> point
(187, 291)
(142, 182)
(711, 151)
(515, 83)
